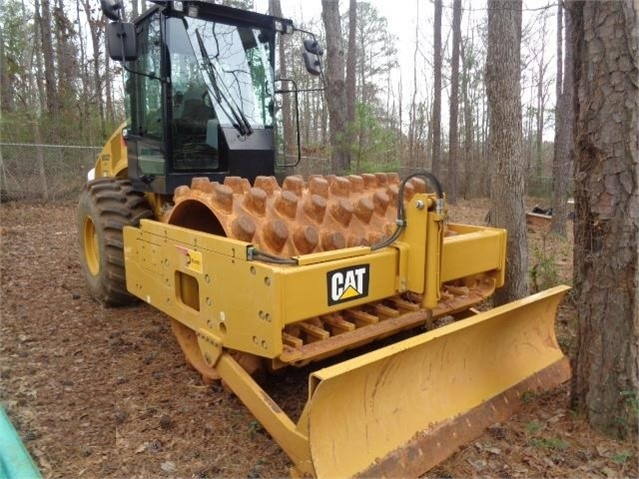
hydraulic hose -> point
(401, 212)
(255, 254)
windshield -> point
(226, 66)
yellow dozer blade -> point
(400, 410)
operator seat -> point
(191, 116)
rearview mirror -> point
(312, 63)
(314, 47)
(312, 56)
(121, 42)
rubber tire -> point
(105, 207)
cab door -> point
(146, 108)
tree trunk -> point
(412, 114)
(400, 119)
(290, 143)
(541, 108)
(470, 176)
(83, 123)
(507, 167)
(95, 27)
(351, 74)
(308, 120)
(606, 376)
(335, 86)
(563, 132)
(40, 159)
(437, 87)
(65, 56)
(108, 89)
(134, 9)
(47, 52)
(324, 124)
(453, 138)
(38, 61)
(351, 84)
(6, 97)
(558, 224)
(483, 146)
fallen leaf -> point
(602, 450)
(493, 450)
(141, 448)
(478, 464)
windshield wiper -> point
(224, 99)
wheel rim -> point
(91, 248)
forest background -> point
(59, 87)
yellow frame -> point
(210, 284)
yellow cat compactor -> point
(183, 211)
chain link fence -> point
(50, 173)
(56, 173)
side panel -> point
(473, 250)
(207, 283)
(112, 161)
(328, 287)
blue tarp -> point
(15, 462)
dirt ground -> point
(100, 393)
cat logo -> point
(347, 284)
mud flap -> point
(398, 411)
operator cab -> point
(200, 94)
